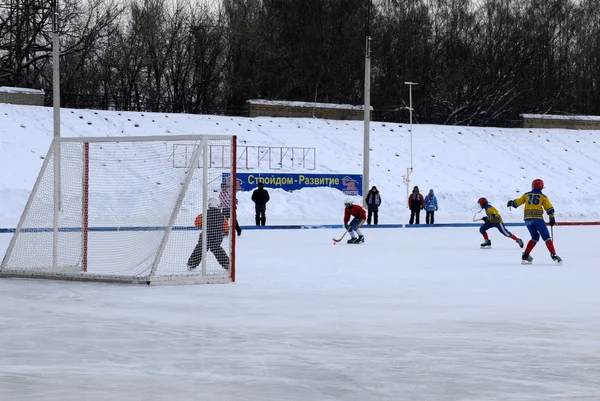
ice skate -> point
(520, 242)
(360, 239)
(556, 258)
(487, 244)
(526, 259)
(191, 268)
(352, 240)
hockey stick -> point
(476, 213)
(552, 233)
(342, 237)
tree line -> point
(476, 62)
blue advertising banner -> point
(349, 184)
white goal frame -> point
(199, 161)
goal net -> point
(131, 210)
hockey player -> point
(217, 228)
(535, 203)
(493, 219)
(360, 215)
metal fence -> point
(250, 157)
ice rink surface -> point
(411, 314)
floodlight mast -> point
(56, 125)
(367, 105)
(55, 69)
(410, 108)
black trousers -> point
(429, 216)
(415, 216)
(373, 212)
(260, 216)
(213, 245)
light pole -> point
(57, 196)
(55, 69)
(367, 106)
(410, 109)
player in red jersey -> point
(353, 227)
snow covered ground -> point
(460, 163)
(411, 315)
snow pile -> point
(460, 163)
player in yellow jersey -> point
(493, 219)
(535, 203)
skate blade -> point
(485, 247)
(526, 262)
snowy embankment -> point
(460, 163)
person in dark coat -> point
(373, 201)
(216, 229)
(416, 203)
(260, 197)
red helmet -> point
(537, 184)
(482, 202)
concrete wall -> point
(587, 124)
(21, 96)
(271, 110)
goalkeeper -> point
(217, 228)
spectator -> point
(416, 203)
(225, 198)
(373, 202)
(431, 206)
(260, 197)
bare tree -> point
(477, 62)
(209, 52)
(27, 38)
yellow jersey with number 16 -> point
(535, 204)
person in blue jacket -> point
(431, 206)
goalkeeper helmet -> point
(348, 202)
(537, 184)
(482, 202)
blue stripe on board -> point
(280, 227)
(457, 225)
(188, 228)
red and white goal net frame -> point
(116, 209)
